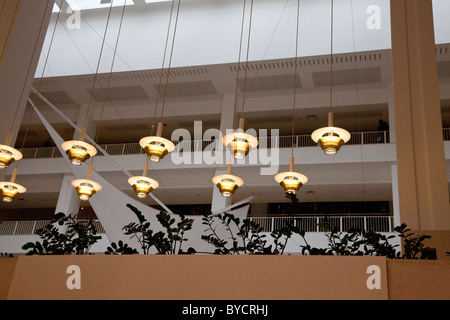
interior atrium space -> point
(186, 73)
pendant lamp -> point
(227, 183)
(155, 146)
(143, 185)
(11, 190)
(331, 138)
(86, 188)
(8, 155)
(240, 143)
(292, 181)
(80, 151)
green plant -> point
(162, 243)
(247, 239)
(308, 250)
(77, 239)
(378, 244)
(294, 202)
(6, 255)
(120, 248)
(412, 244)
(360, 242)
(175, 231)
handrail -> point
(269, 224)
(314, 223)
(369, 137)
(29, 227)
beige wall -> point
(418, 279)
(223, 278)
(198, 277)
(7, 267)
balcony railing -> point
(16, 228)
(341, 223)
(373, 137)
(269, 224)
(300, 141)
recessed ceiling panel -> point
(269, 83)
(130, 127)
(55, 97)
(187, 89)
(119, 94)
(347, 77)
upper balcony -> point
(300, 141)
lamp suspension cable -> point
(247, 57)
(331, 138)
(227, 183)
(10, 26)
(170, 60)
(83, 132)
(156, 147)
(330, 115)
(292, 181)
(106, 89)
(295, 78)
(86, 188)
(158, 93)
(240, 143)
(142, 185)
(239, 59)
(79, 151)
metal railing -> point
(269, 224)
(19, 228)
(341, 223)
(373, 137)
(300, 141)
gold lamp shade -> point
(8, 155)
(291, 181)
(86, 188)
(227, 184)
(156, 147)
(142, 186)
(240, 144)
(330, 139)
(78, 151)
(11, 190)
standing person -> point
(382, 127)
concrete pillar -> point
(395, 200)
(226, 122)
(23, 26)
(68, 201)
(422, 179)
